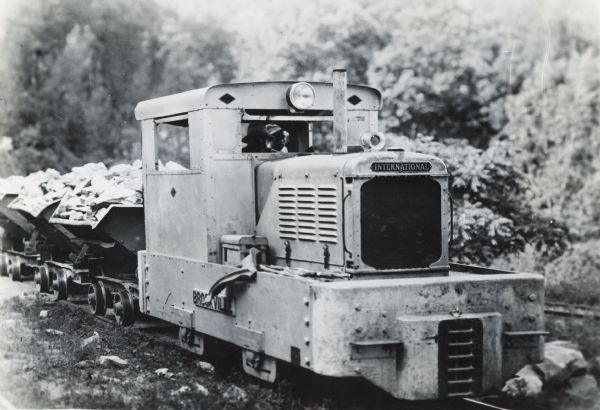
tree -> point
(194, 54)
(448, 69)
(79, 71)
(555, 134)
(72, 100)
(349, 42)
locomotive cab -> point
(336, 262)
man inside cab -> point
(265, 138)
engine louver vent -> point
(287, 212)
(308, 213)
(327, 212)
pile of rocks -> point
(35, 191)
(95, 188)
(563, 368)
(85, 193)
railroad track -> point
(156, 329)
(556, 308)
(478, 404)
(165, 333)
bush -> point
(492, 218)
(555, 135)
(575, 276)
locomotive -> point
(336, 262)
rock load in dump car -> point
(35, 207)
(95, 188)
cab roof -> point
(254, 96)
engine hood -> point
(332, 167)
(307, 213)
(351, 165)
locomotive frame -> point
(334, 262)
(395, 327)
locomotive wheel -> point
(15, 272)
(3, 265)
(60, 286)
(97, 298)
(123, 308)
(44, 279)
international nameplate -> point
(400, 166)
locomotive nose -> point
(425, 338)
(434, 356)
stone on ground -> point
(527, 383)
(561, 361)
(54, 332)
(578, 367)
(205, 367)
(112, 361)
(163, 372)
(181, 390)
(90, 342)
(84, 364)
(201, 389)
(43, 313)
(235, 394)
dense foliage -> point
(78, 73)
(574, 276)
(448, 70)
(555, 133)
(492, 217)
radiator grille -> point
(460, 357)
(400, 222)
(308, 213)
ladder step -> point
(468, 381)
(461, 369)
(460, 356)
(460, 344)
(460, 331)
(458, 394)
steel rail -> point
(482, 404)
(556, 308)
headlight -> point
(301, 96)
(372, 142)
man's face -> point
(278, 141)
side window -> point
(172, 145)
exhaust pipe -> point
(340, 117)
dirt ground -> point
(42, 369)
(39, 369)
